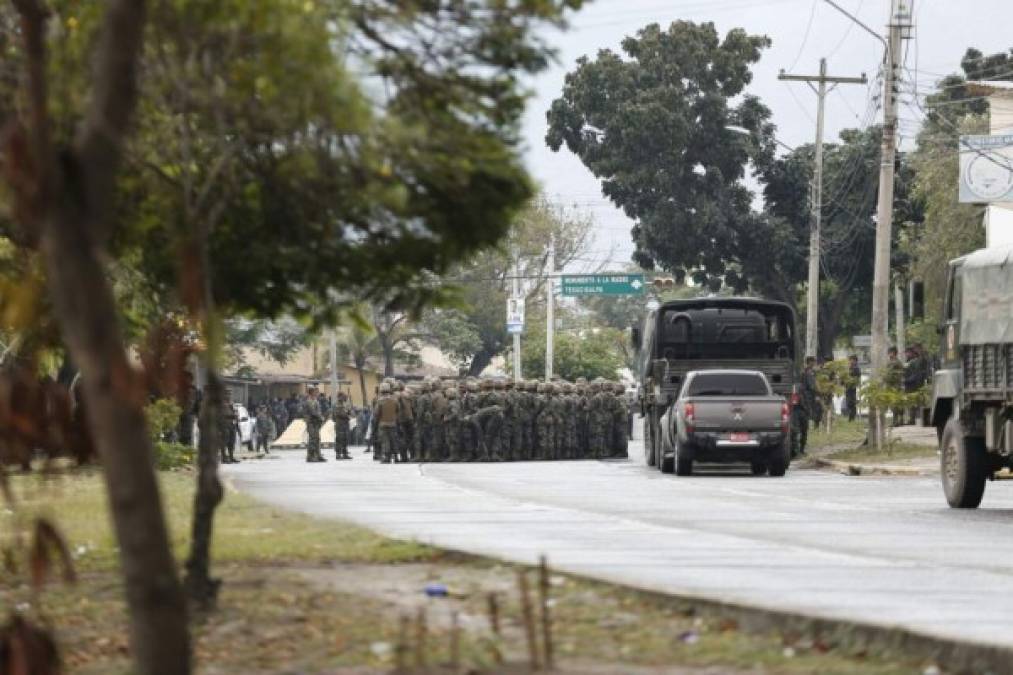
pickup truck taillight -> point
(786, 416)
(796, 399)
(689, 414)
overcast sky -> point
(802, 32)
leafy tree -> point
(652, 127)
(272, 184)
(474, 331)
(589, 354)
(850, 184)
(950, 229)
(357, 343)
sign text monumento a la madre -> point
(602, 284)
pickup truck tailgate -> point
(737, 414)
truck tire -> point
(964, 466)
(780, 459)
(667, 464)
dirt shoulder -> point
(312, 596)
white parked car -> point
(247, 428)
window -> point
(728, 384)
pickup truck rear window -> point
(728, 384)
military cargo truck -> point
(706, 334)
(972, 391)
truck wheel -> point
(780, 459)
(964, 466)
(667, 464)
(683, 465)
(649, 456)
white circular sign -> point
(989, 177)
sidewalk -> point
(927, 465)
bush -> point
(171, 456)
(163, 419)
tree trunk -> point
(362, 383)
(479, 362)
(200, 587)
(115, 396)
(388, 357)
(64, 193)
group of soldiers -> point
(498, 421)
(340, 412)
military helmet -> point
(595, 386)
(568, 388)
(385, 387)
(499, 385)
(473, 386)
(451, 392)
(342, 396)
(581, 380)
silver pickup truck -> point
(727, 416)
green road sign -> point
(603, 284)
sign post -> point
(576, 285)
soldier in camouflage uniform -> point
(582, 421)
(265, 429)
(228, 429)
(384, 422)
(507, 444)
(599, 422)
(529, 408)
(423, 409)
(452, 428)
(472, 443)
(621, 422)
(341, 413)
(548, 424)
(436, 441)
(405, 424)
(314, 420)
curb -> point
(856, 469)
(947, 653)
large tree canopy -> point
(651, 123)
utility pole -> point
(550, 310)
(899, 29)
(898, 309)
(517, 296)
(813, 297)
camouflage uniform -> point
(621, 422)
(265, 429)
(472, 444)
(386, 412)
(436, 441)
(546, 423)
(341, 414)
(405, 424)
(566, 437)
(599, 422)
(228, 427)
(314, 420)
(452, 427)
(423, 406)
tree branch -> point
(99, 143)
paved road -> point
(879, 550)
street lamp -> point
(742, 131)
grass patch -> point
(890, 453)
(842, 433)
(307, 595)
(245, 530)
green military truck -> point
(972, 391)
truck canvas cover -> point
(987, 297)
